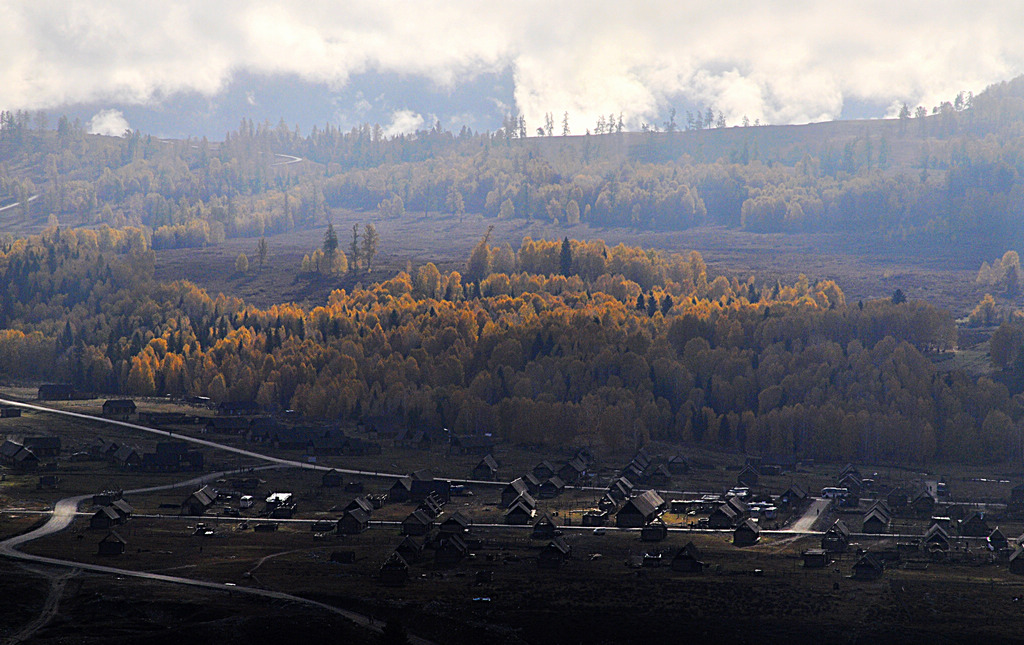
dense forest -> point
(955, 173)
(555, 343)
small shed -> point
(112, 544)
(544, 470)
(410, 549)
(401, 490)
(923, 505)
(451, 549)
(896, 498)
(678, 465)
(486, 470)
(975, 526)
(640, 510)
(105, 518)
(815, 558)
(868, 567)
(199, 501)
(837, 538)
(513, 490)
(748, 476)
(361, 503)
(746, 534)
(997, 541)
(332, 479)
(1017, 562)
(656, 531)
(723, 517)
(935, 538)
(8, 411)
(56, 392)
(554, 554)
(551, 488)
(573, 471)
(544, 528)
(457, 524)
(417, 523)
(395, 571)
(875, 521)
(792, 497)
(519, 514)
(353, 521)
(687, 559)
(118, 409)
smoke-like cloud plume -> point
(779, 62)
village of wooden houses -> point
(241, 502)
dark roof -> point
(395, 561)
(519, 507)
(530, 479)
(936, 533)
(727, 510)
(559, 545)
(870, 560)
(358, 515)
(423, 474)
(9, 449)
(795, 492)
(738, 505)
(361, 503)
(749, 525)
(124, 453)
(555, 481)
(688, 551)
(526, 500)
(876, 514)
(109, 512)
(489, 462)
(122, 506)
(545, 464)
(545, 520)
(518, 485)
(113, 537)
(647, 504)
(459, 519)
(205, 496)
(840, 528)
(419, 516)
(403, 482)
(119, 403)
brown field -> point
(864, 266)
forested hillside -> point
(557, 343)
(954, 173)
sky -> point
(186, 66)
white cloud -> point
(108, 122)
(404, 122)
(781, 62)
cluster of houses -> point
(27, 452)
(355, 518)
(451, 544)
(17, 457)
(168, 457)
(113, 510)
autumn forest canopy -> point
(556, 342)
